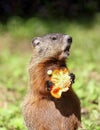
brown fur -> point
(42, 111)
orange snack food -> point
(61, 80)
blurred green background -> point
(21, 21)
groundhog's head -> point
(52, 46)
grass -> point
(84, 61)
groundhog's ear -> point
(35, 42)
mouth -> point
(67, 49)
(65, 53)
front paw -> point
(49, 85)
(72, 76)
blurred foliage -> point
(15, 53)
(48, 8)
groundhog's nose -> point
(69, 39)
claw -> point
(72, 77)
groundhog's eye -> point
(35, 42)
(54, 38)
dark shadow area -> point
(50, 9)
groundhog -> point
(41, 110)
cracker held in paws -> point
(61, 82)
